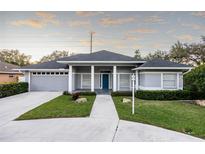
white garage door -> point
(49, 81)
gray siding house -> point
(104, 70)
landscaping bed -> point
(174, 115)
(60, 107)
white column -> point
(70, 79)
(136, 80)
(29, 81)
(162, 86)
(114, 78)
(177, 80)
(92, 77)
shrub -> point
(164, 94)
(86, 93)
(121, 93)
(13, 89)
(75, 96)
(194, 81)
(66, 93)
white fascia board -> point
(162, 68)
(104, 62)
(10, 72)
(60, 69)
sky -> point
(40, 33)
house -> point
(104, 70)
(7, 74)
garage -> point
(49, 81)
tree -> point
(137, 54)
(158, 55)
(194, 81)
(189, 53)
(55, 55)
(179, 53)
(14, 57)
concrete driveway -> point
(13, 106)
(102, 125)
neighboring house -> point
(104, 70)
(7, 74)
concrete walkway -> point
(102, 125)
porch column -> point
(29, 81)
(136, 80)
(177, 81)
(92, 77)
(114, 88)
(70, 79)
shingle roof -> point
(46, 65)
(6, 67)
(162, 63)
(95, 56)
(102, 55)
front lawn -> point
(62, 106)
(174, 115)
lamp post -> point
(133, 94)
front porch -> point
(101, 79)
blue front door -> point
(105, 81)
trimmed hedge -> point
(121, 93)
(83, 93)
(164, 94)
(13, 89)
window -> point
(86, 81)
(124, 81)
(38, 73)
(48, 73)
(43, 73)
(11, 75)
(52, 73)
(34, 73)
(61, 73)
(57, 73)
(66, 73)
(169, 81)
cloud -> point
(143, 31)
(88, 13)
(199, 14)
(194, 26)
(131, 37)
(185, 37)
(47, 17)
(29, 22)
(43, 18)
(79, 23)
(116, 21)
(154, 19)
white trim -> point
(137, 80)
(81, 81)
(103, 62)
(70, 78)
(29, 81)
(36, 70)
(162, 80)
(158, 72)
(114, 87)
(162, 68)
(178, 81)
(10, 72)
(92, 78)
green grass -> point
(173, 115)
(60, 107)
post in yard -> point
(133, 94)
